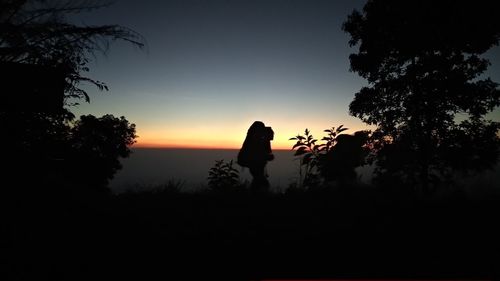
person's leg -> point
(259, 182)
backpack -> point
(243, 159)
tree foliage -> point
(39, 32)
(95, 147)
(427, 94)
(49, 150)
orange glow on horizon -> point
(220, 138)
(194, 145)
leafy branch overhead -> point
(39, 32)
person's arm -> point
(270, 154)
(270, 157)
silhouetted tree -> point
(423, 63)
(96, 144)
(37, 36)
(34, 143)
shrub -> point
(223, 176)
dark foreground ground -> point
(171, 236)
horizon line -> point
(159, 146)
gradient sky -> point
(211, 68)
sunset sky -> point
(211, 68)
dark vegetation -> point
(223, 177)
(426, 72)
(46, 58)
(333, 163)
(60, 222)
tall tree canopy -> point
(427, 94)
(38, 38)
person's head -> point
(259, 131)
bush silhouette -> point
(96, 146)
(223, 176)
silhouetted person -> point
(341, 161)
(255, 153)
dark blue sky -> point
(213, 67)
